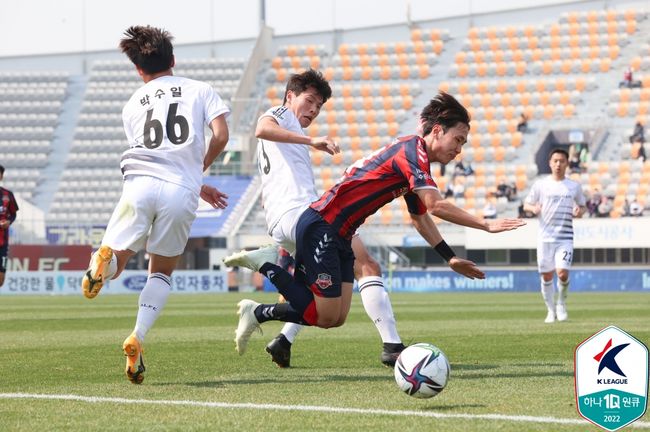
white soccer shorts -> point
(284, 231)
(554, 255)
(154, 212)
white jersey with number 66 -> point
(165, 122)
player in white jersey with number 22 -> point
(164, 122)
(557, 200)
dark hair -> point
(149, 48)
(444, 110)
(298, 83)
(2, 170)
(558, 150)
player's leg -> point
(125, 233)
(563, 261)
(318, 265)
(174, 208)
(376, 301)
(546, 267)
(4, 252)
(151, 302)
(284, 234)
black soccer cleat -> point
(280, 350)
(390, 353)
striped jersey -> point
(396, 170)
(285, 169)
(8, 209)
(557, 199)
(164, 122)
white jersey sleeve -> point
(533, 194)
(164, 122)
(285, 169)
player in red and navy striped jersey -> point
(8, 209)
(320, 291)
(398, 169)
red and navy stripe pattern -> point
(370, 183)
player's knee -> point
(563, 275)
(328, 321)
(366, 266)
(341, 321)
(2, 279)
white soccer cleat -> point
(550, 317)
(247, 324)
(253, 259)
(562, 314)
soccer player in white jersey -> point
(288, 189)
(557, 200)
(164, 122)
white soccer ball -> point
(422, 370)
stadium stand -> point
(99, 139)
(29, 115)
(558, 72)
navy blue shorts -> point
(324, 260)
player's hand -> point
(466, 268)
(4, 223)
(326, 144)
(537, 209)
(577, 212)
(500, 225)
(214, 197)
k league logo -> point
(611, 376)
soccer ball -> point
(422, 370)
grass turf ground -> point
(505, 361)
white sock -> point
(548, 293)
(112, 268)
(563, 290)
(377, 305)
(291, 330)
(152, 300)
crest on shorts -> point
(324, 281)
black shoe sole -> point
(280, 360)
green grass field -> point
(505, 362)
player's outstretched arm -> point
(268, 129)
(437, 206)
(467, 268)
(218, 140)
(505, 224)
(429, 231)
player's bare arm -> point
(437, 206)
(578, 211)
(214, 197)
(534, 208)
(218, 140)
(269, 129)
(429, 231)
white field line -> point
(326, 409)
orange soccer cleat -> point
(134, 364)
(93, 280)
